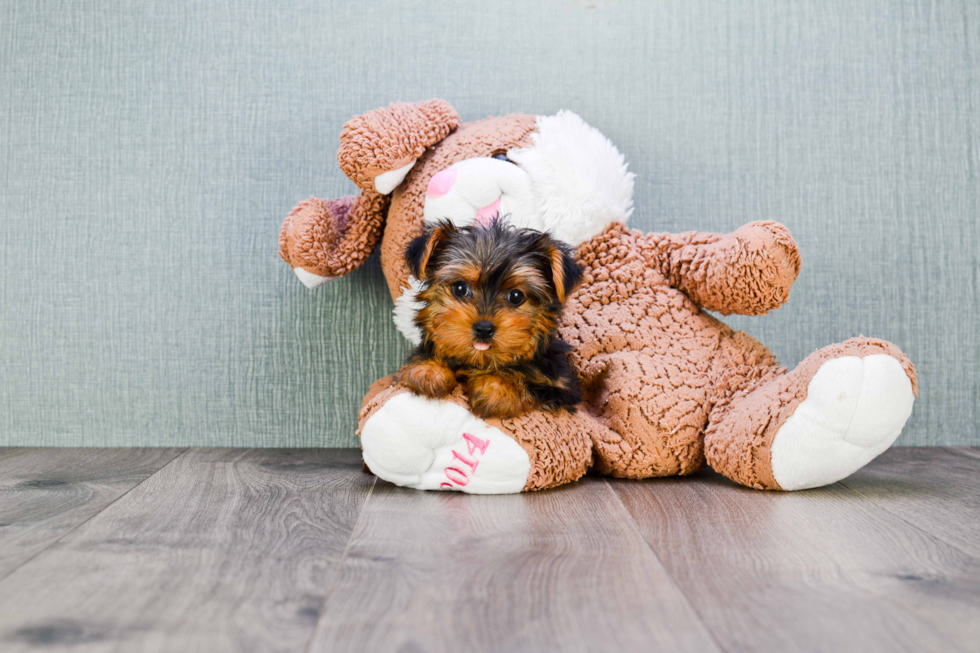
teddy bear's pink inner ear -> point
(378, 149)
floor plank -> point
(819, 570)
(972, 452)
(563, 570)
(935, 489)
(252, 550)
(45, 493)
(222, 550)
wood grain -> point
(223, 550)
(972, 452)
(818, 570)
(561, 570)
(45, 493)
(936, 489)
(292, 550)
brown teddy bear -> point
(667, 387)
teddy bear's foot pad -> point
(439, 445)
(854, 409)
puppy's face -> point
(491, 294)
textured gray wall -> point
(150, 150)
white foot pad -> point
(854, 409)
(438, 445)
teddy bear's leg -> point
(656, 408)
(842, 406)
(439, 445)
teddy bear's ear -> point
(379, 148)
(420, 250)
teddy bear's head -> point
(416, 164)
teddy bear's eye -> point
(459, 289)
(502, 156)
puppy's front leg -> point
(496, 395)
(430, 378)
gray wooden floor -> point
(298, 550)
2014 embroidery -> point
(459, 475)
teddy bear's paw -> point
(854, 409)
(439, 445)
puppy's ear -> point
(421, 249)
(565, 273)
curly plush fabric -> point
(652, 364)
(748, 272)
(330, 238)
(387, 139)
(667, 387)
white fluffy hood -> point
(579, 179)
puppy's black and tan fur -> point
(491, 297)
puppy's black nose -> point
(484, 329)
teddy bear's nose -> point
(441, 183)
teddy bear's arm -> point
(325, 239)
(749, 271)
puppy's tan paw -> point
(496, 396)
(430, 379)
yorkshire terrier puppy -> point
(491, 297)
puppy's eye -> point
(515, 297)
(502, 156)
(460, 289)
